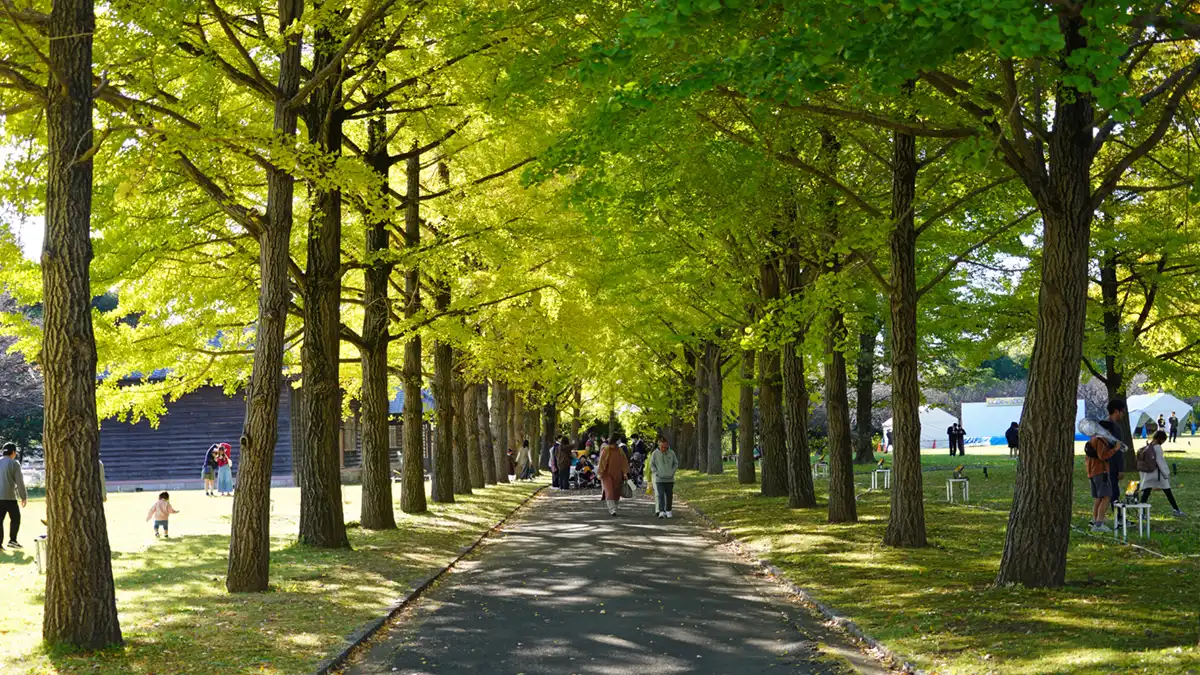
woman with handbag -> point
(613, 469)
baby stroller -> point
(637, 467)
(583, 476)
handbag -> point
(627, 489)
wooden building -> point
(170, 456)
(174, 451)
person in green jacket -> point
(663, 464)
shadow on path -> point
(569, 589)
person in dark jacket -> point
(562, 463)
(1013, 436)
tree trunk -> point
(842, 507)
(1035, 546)
(442, 472)
(500, 430)
(470, 423)
(774, 481)
(746, 420)
(412, 479)
(516, 415)
(702, 428)
(463, 476)
(801, 491)
(864, 387)
(716, 409)
(549, 429)
(906, 521)
(377, 512)
(531, 430)
(486, 442)
(80, 604)
(250, 539)
(1114, 353)
(322, 522)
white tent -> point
(1147, 407)
(934, 422)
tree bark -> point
(442, 471)
(774, 481)
(474, 450)
(549, 430)
(412, 479)
(250, 539)
(906, 521)
(486, 442)
(716, 410)
(1035, 545)
(377, 512)
(322, 521)
(1114, 353)
(516, 414)
(694, 460)
(463, 476)
(80, 604)
(842, 507)
(500, 430)
(746, 421)
(864, 387)
(531, 430)
(801, 491)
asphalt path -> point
(569, 589)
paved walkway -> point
(569, 589)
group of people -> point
(217, 471)
(619, 467)
(1104, 460)
(1170, 425)
(958, 439)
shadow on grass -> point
(938, 604)
(177, 617)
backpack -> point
(1146, 460)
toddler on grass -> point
(161, 513)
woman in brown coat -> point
(613, 468)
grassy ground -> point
(1123, 610)
(176, 615)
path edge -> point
(831, 615)
(417, 589)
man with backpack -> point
(1100, 449)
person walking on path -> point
(209, 470)
(12, 488)
(161, 513)
(525, 462)
(1154, 472)
(225, 470)
(562, 463)
(1098, 451)
(663, 465)
(613, 468)
(1013, 436)
(1173, 425)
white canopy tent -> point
(1144, 408)
(934, 422)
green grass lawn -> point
(176, 615)
(1122, 611)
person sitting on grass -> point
(1098, 451)
(161, 512)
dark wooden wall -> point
(175, 450)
